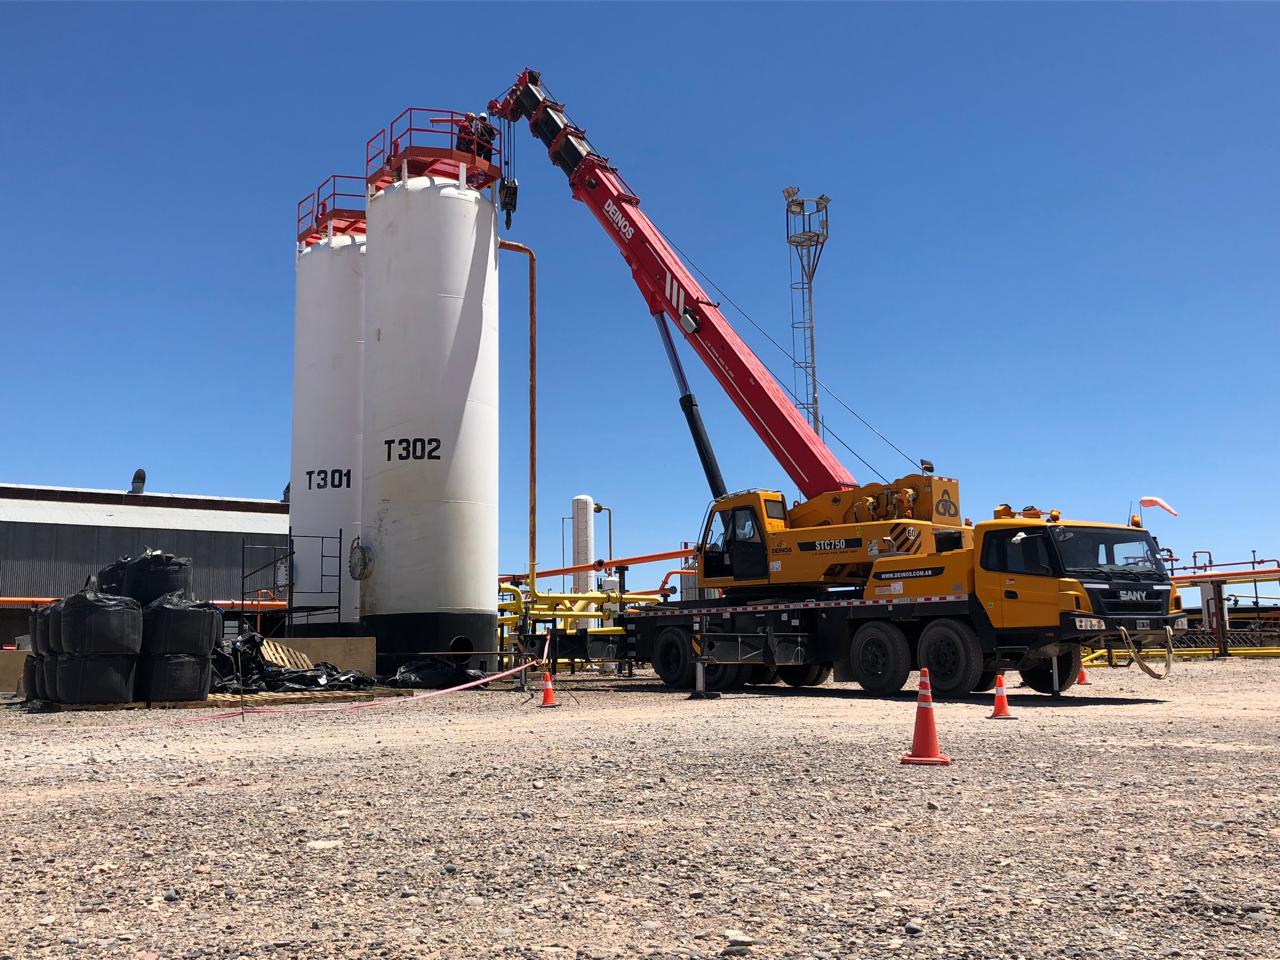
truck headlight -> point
(1090, 623)
(1180, 623)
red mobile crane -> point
(671, 291)
(868, 580)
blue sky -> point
(1054, 265)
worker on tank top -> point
(485, 134)
(467, 134)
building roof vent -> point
(139, 481)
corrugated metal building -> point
(52, 538)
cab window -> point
(744, 526)
(1017, 551)
(718, 535)
(775, 510)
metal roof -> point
(142, 517)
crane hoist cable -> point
(831, 393)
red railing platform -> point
(426, 142)
(336, 207)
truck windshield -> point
(1108, 553)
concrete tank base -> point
(407, 637)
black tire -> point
(810, 675)
(953, 655)
(673, 658)
(762, 674)
(1039, 675)
(880, 657)
(722, 676)
(986, 682)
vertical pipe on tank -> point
(584, 540)
(325, 471)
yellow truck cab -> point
(871, 596)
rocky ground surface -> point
(1129, 819)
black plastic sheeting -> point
(172, 625)
(239, 667)
(432, 675)
(100, 624)
(48, 682)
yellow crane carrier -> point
(870, 581)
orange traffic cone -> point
(1001, 712)
(924, 743)
(1083, 679)
(548, 693)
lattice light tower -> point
(807, 235)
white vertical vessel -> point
(429, 537)
(584, 540)
(324, 479)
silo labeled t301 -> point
(428, 554)
(324, 481)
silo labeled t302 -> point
(428, 553)
(324, 480)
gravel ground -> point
(1130, 819)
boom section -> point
(670, 289)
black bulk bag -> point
(48, 682)
(40, 633)
(111, 577)
(29, 670)
(173, 625)
(36, 690)
(154, 574)
(177, 676)
(98, 624)
(96, 679)
(53, 629)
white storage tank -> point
(429, 540)
(584, 541)
(324, 479)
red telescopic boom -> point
(669, 289)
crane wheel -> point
(762, 674)
(1039, 674)
(880, 657)
(673, 658)
(723, 676)
(951, 651)
(812, 675)
(986, 681)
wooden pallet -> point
(232, 701)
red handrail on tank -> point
(337, 206)
(429, 142)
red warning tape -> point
(369, 704)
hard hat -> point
(483, 115)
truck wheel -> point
(1039, 674)
(722, 676)
(762, 675)
(673, 658)
(951, 651)
(808, 676)
(880, 657)
(985, 682)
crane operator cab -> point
(733, 545)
